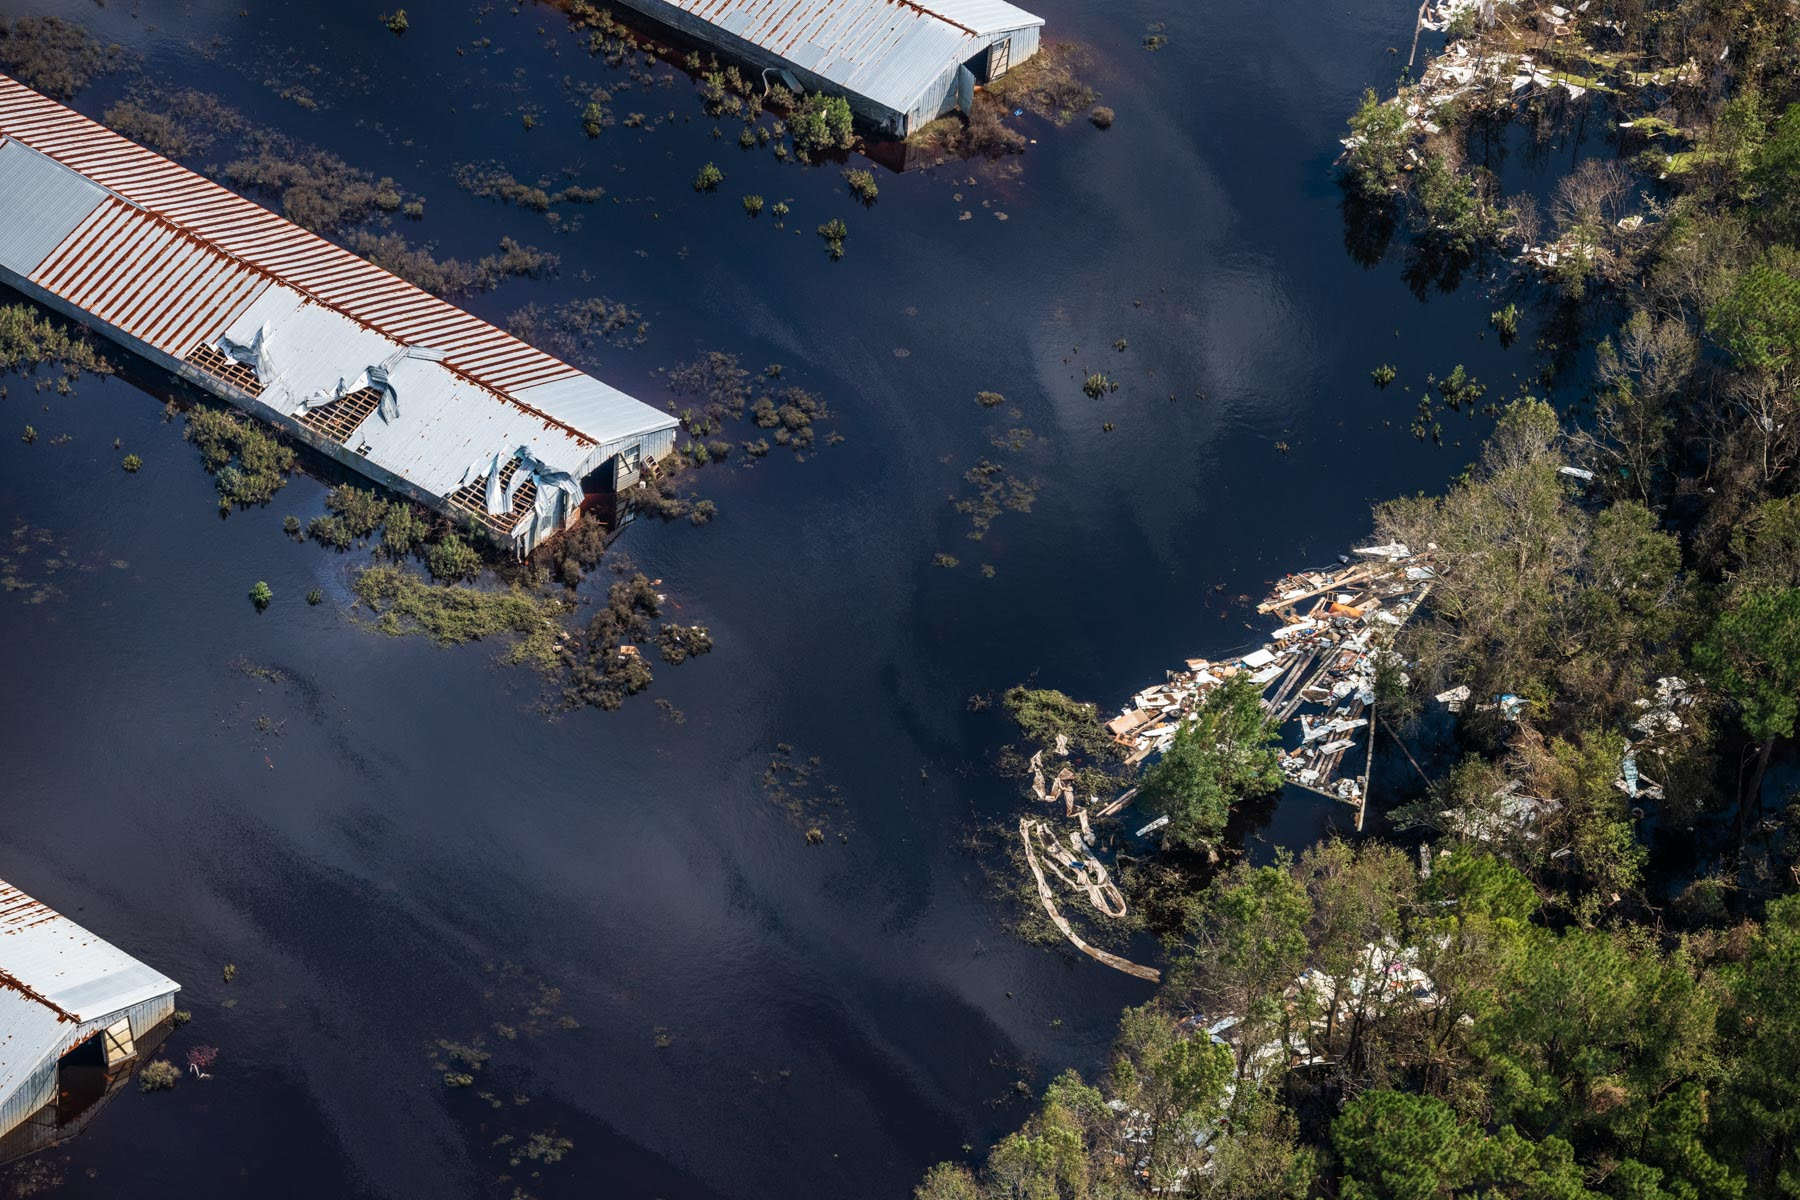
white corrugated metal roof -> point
(54, 977)
(443, 423)
(888, 50)
(176, 261)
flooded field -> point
(484, 942)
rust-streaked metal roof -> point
(891, 51)
(266, 242)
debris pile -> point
(1316, 672)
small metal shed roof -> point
(56, 978)
(890, 51)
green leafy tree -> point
(1398, 1146)
(1752, 653)
(1226, 752)
(1248, 943)
(1758, 320)
(1177, 1083)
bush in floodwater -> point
(1506, 322)
(315, 597)
(1102, 117)
(260, 595)
(452, 559)
(1383, 375)
(132, 463)
(989, 399)
(1098, 384)
(29, 436)
(781, 209)
(249, 465)
(862, 185)
(821, 123)
(405, 603)
(834, 232)
(753, 204)
(395, 21)
(594, 118)
(158, 1076)
(682, 642)
(403, 530)
(709, 178)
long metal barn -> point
(73, 1012)
(413, 393)
(900, 63)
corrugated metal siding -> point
(42, 205)
(892, 52)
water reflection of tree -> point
(1368, 228)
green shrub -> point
(753, 204)
(834, 232)
(1383, 375)
(820, 122)
(989, 399)
(395, 21)
(709, 178)
(862, 185)
(158, 1076)
(249, 465)
(260, 595)
(132, 463)
(452, 559)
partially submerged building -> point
(899, 63)
(68, 1002)
(390, 381)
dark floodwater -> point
(835, 1017)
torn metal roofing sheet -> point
(891, 51)
(56, 977)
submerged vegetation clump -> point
(59, 58)
(451, 277)
(608, 665)
(575, 329)
(1048, 84)
(455, 614)
(996, 490)
(492, 181)
(249, 465)
(31, 338)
